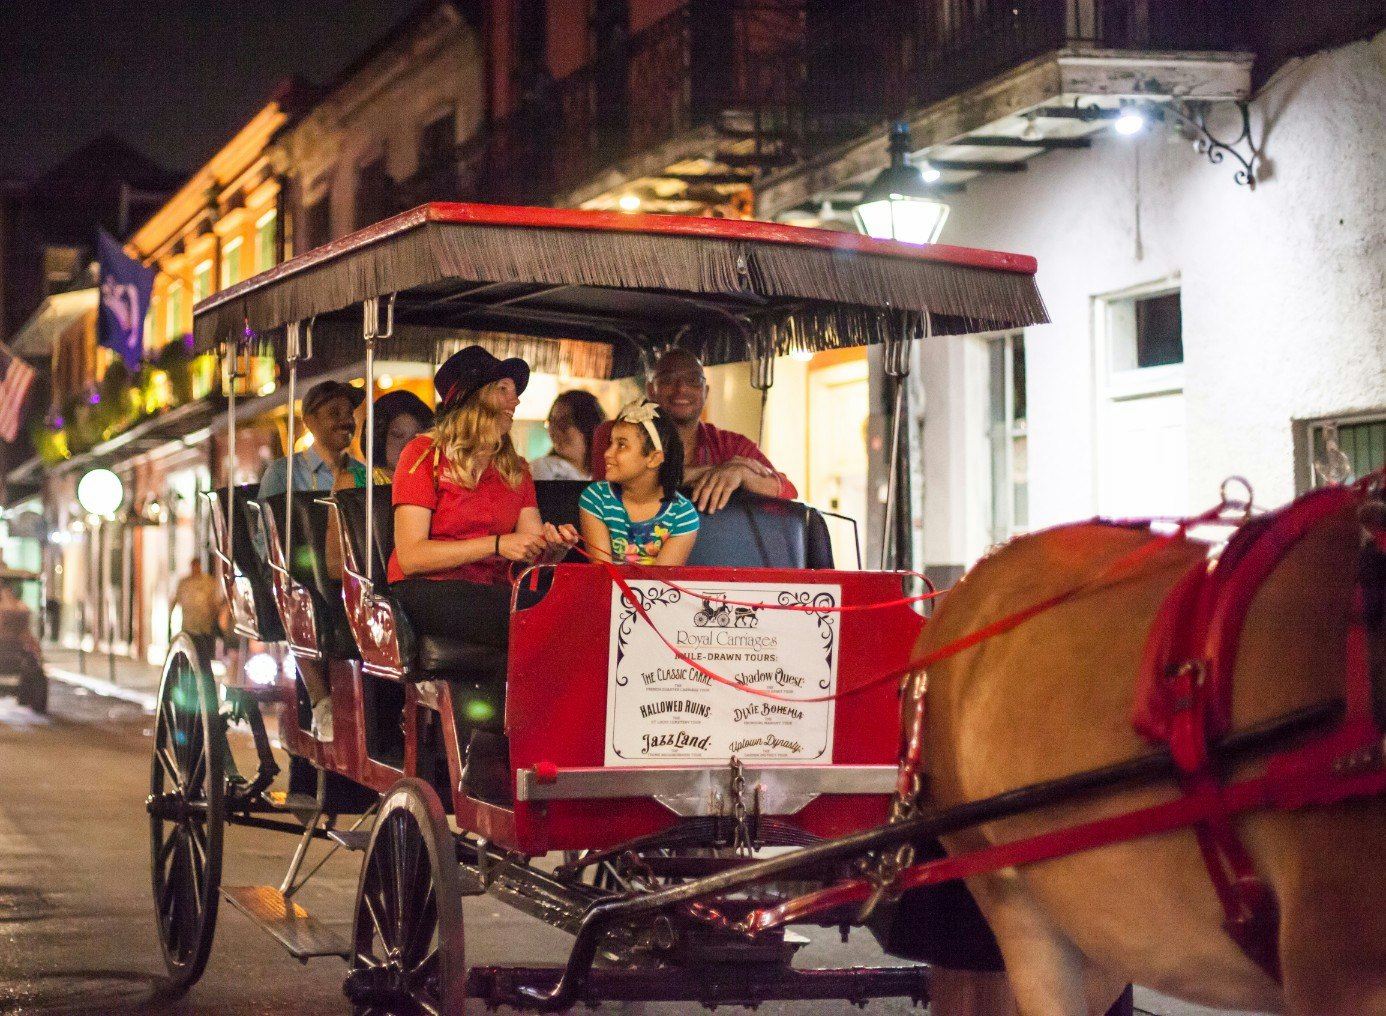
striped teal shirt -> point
(638, 542)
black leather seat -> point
(435, 657)
(308, 567)
(244, 522)
(752, 531)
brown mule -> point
(1054, 697)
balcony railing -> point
(869, 60)
(791, 76)
(709, 62)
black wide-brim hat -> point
(469, 370)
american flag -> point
(15, 378)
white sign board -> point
(661, 711)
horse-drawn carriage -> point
(658, 727)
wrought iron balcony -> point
(869, 60)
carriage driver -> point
(715, 462)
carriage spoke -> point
(421, 934)
(426, 967)
(199, 770)
(373, 912)
(401, 893)
(384, 910)
(194, 879)
(170, 767)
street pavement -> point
(76, 924)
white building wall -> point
(1283, 288)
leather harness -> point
(1185, 695)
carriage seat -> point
(307, 566)
(433, 657)
(752, 531)
(244, 526)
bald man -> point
(715, 462)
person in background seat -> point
(329, 411)
(715, 462)
(573, 418)
(400, 416)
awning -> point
(728, 290)
(37, 337)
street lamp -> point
(100, 493)
(900, 204)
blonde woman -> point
(465, 507)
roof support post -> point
(371, 331)
(896, 366)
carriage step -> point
(731, 984)
(352, 839)
(303, 806)
(303, 936)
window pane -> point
(1159, 331)
(231, 264)
(1018, 377)
(1363, 443)
(202, 281)
(264, 243)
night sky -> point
(175, 79)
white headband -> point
(642, 412)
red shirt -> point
(714, 447)
(491, 508)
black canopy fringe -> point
(792, 297)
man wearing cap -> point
(329, 413)
(716, 462)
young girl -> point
(636, 515)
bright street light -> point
(100, 492)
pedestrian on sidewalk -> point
(199, 599)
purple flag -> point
(125, 289)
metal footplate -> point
(303, 936)
(745, 985)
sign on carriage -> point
(662, 711)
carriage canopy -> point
(727, 290)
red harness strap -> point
(1185, 699)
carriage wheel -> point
(407, 940)
(722, 618)
(186, 812)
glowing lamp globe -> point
(100, 492)
(900, 204)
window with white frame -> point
(1343, 449)
(202, 281)
(231, 262)
(1145, 345)
(173, 311)
(265, 234)
(1010, 494)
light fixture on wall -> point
(899, 204)
(1130, 121)
(628, 202)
